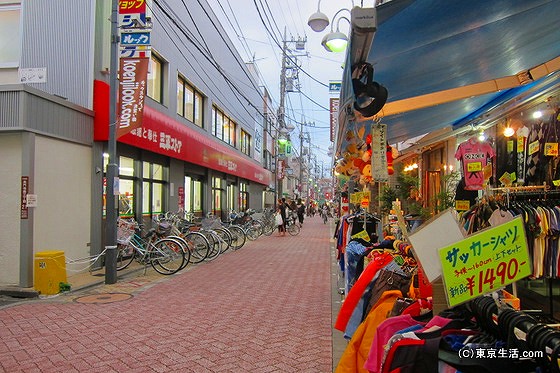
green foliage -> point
(387, 196)
(446, 198)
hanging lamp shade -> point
(318, 21)
(335, 42)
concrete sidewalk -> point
(268, 307)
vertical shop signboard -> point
(379, 170)
(485, 262)
(24, 214)
(181, 197)
(133, 65)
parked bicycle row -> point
(177, 239)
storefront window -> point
(243, 197)
(152, 190)
(126, 166)
(217, 191)
(230, 197)
(126, 187)
(193, 196)
(126, 198)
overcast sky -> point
(243, 24)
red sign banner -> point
(133, 74)
(132, 6)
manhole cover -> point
(103, 298)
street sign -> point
(135, 38)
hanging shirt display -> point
(474, 156)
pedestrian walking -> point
(282, 211)
(300, 208)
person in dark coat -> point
(300, 208)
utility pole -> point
(112, 167)
(280, 116)
(288, 65)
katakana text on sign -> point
(485, 262)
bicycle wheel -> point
(214, 241)
(167, 256)
(239, 237)
(269, 228)
(198, 246)
(186, 249)
(258, 226)
(252, 232)
(226, 239)
(293, 229)
(125, 255)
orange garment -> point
(358, 289)
(357, 350)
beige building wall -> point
(10, 190)
(63, 189)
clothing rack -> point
(529, 190)
(523, 189)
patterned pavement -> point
(265, 308)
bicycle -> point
(166, 255)
(291, 226)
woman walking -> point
(282, 210)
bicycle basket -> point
(163, 228)
(125, 231)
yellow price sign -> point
(551, 148)
(520, 144)
(474, 166)
(533, 147)
(462, 205)
(485, 262)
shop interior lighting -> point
(509, 131)
(537, 114)
(481, 136)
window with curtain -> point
(223, 127)
(155, 78)
(245, 143)
(10, 38)
(189, 102)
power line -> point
(213, 63)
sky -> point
(244, 26)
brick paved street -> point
(264, 308)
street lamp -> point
(336, 41)
(319, 21)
